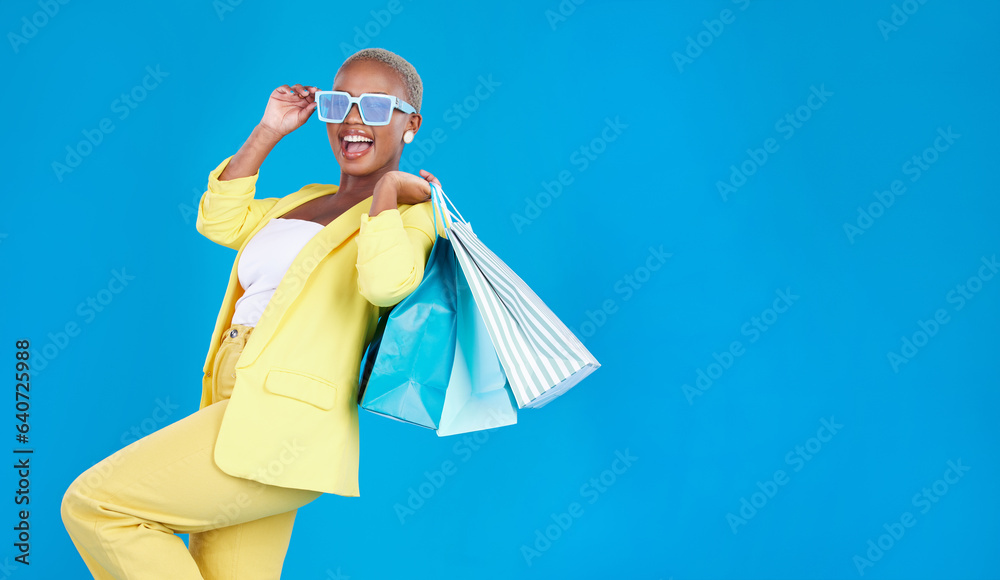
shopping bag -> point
(417, 372)
(478, 395)
(541, 357)
(408, 363)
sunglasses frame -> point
(397, 103)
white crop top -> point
(264, 261)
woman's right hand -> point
(288, 108)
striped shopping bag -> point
(541, 357)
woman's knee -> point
(79, 501)
(75, 505)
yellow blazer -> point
(292, 419)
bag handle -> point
(439, 202)
(445, 198)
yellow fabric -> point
(297, 378)
(124, 513)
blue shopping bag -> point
(408, 363)
(432, 361)
(478, 395)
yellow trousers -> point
(124, 513)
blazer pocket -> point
(316, 391)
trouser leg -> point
(96, 570)
(123, 514)
(253, 549)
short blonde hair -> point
(407, 73)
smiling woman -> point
(274, 358)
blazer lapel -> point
(325, 241)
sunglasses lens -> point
(377, 109)
(332, 106)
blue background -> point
(129, 206)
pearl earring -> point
(408, 137)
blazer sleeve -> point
(228, 212)
(393, 249)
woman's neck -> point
(358, 187)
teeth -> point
(357, 138)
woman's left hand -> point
(409, 189)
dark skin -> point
(376, 174)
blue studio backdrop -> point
(773, 223)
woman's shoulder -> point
(419, 211)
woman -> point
(278, 423)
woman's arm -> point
(228, 212)
(251, 155)
(393, 246)
(393, 249)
